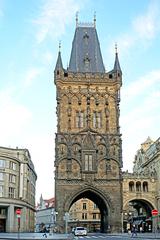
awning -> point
(137, 222)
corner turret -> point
(59, 65)
(117, 67)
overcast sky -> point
(30, 32)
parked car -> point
(80, 231)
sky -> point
(30, 32)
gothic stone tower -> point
(88, 157)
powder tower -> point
(88, 157)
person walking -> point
(134, 232)
(45, 232)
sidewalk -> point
(142, 235)
(39, 236)
(36, 236)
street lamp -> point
(55, 218)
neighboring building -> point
(86, 213)
(141, 189)
(17, 190)
(45, 214)
(88, 158)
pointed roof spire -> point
(86, 53)
(59, 65)
(117, 67)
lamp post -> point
(52, 221)
(66, 218)
(53, 218)
(127, 219)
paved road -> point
(90, 236)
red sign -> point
(18, 211)
(154, 212)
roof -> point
(86, 54)
(116, 64)
(45, 203)
(59, 65)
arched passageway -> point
(100, 202)
(137, 212)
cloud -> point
(31, 75)
(43, 162)
(53, 18)
(139, 114)
(144, 83)
(146, 26)
(14, 116)
(143, 29)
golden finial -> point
(94, 19)
(77, 19)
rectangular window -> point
(2, 211)
(2, 163)
(84, 215)
(84, 206)
(97, 120)
(94, 215)
(94, 119)
(1, 176)
(80, 119)
(95, 206)
(88, 162)
(1, 191)
(12, 178)
(11, 193)
(12, 165)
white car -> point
(80, 231)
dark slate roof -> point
(59, 65)
(117, 67)
(86, 54)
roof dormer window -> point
(86, 37)
(86, 62)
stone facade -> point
(141, 192)
(17, 190)
(88, 141)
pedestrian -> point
(45, 234)
(134, 231)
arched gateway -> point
(88, 141)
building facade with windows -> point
(85, 213)
(141, 189)
(17, 190)
(45, 215)
(88, 149)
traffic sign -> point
(18, 211)
(154, 212)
